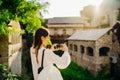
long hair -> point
(37, 40)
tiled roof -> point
(67, 20)
(89, 34)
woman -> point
(49, 72)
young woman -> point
(49, 72)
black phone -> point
(58, 46)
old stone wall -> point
(82, 59)
(70, 28)
(108, 40)
(4, 50)
(11, 49)
(15, 64)
(96, 62)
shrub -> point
(6, 75)
(75, 72)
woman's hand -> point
(53, 47)
(64, 47)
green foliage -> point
(119, 15)
(22, 11)
(6, 75)
(75, 72)
(3, 28)
(104, 75)
(27, 73)
(27, 15)
(0, 2)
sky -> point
(67, 8)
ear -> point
(42, 38)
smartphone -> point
(58, 46)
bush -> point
(75, 72)
(6, 75)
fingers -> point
(64, 47)
(53, 47)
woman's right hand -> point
(53, 47)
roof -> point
(67, 20)
(89, 34)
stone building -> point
(66, 25)
(62, 27)
(92, 49)
(11, 48)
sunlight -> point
(96, 2)
(69, 7)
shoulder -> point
(48, 51)
(32, 50)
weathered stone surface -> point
(95, 62)
(11, 49)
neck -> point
(42, 46)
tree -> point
(119, 15)
(20, 10)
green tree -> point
(119, 15)
(24, 11)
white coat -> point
(50, 72)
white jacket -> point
(50, 72)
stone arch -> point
(71, 47)
(103, 51)
(75, 47)
(90, 51)
(82, 49)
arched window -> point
(82, 50)
(75, 47)
(108, 32)
(103, 51)
(113, 38)
(90, 51)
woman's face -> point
(44, 40)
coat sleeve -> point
(61, 62)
